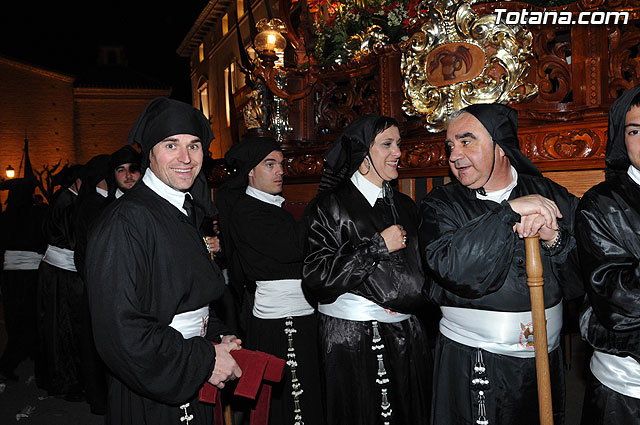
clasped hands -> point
(538, 215)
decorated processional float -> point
(418, 61)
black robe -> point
(346, 253)
(89, 208)
(478, 262)
(268, 245)
(146, 263)
(608, 235)
(20, 230)
(59, 297)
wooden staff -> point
(535, 281)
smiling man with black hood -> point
(150, 279)
(471, 239)
(608, 235)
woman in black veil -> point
(363, 268)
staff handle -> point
(535, 281)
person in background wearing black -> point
(266, 245)
(23, 244)
(608, 235)
(59, 295)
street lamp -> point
(270, 41)
(11, 173)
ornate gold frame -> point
(452, 36)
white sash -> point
(276, 299)
(59, 257)
(350, 306)
(499, 332)
(21, 260)
(191, 323)
(621, 374)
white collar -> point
(173, 196)
(276, 200)
(634, 173)
(102, 192)
(73, 191)
(119, 193)
(370, 191)
(501, 194)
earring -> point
(368, 167)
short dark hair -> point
(635, 101)
(381, 125)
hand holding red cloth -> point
(258, 371)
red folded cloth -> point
(258, 369)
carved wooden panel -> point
(564, 144)
(624, 60)
(337, 103)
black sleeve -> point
(335, 266)
(611, 270)
(469, 259)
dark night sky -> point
(65, 35)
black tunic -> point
(145, 264)
(20, 230)
(607, 231)
(478, 262)
(89, 208)
(346, 253)
(268, 245)
(59, 298)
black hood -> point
(501, 123)
(617, 161)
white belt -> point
(499, 332)
(59, 257)
(191, 323)
(350, 306)
(276, 299)
(21, 260)
(621, 374)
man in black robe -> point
(150, 279)
(59, 295)
(92, 200)
(22, 242)
(608, 236)
(266, 245)
(471, 236)
(125, 166)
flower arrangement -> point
(344, 27)
(347, 29)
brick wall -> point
(103, 118)
(40, 102)
(62, 123)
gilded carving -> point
(457, 58)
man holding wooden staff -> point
(472, 241)
(608, 236)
